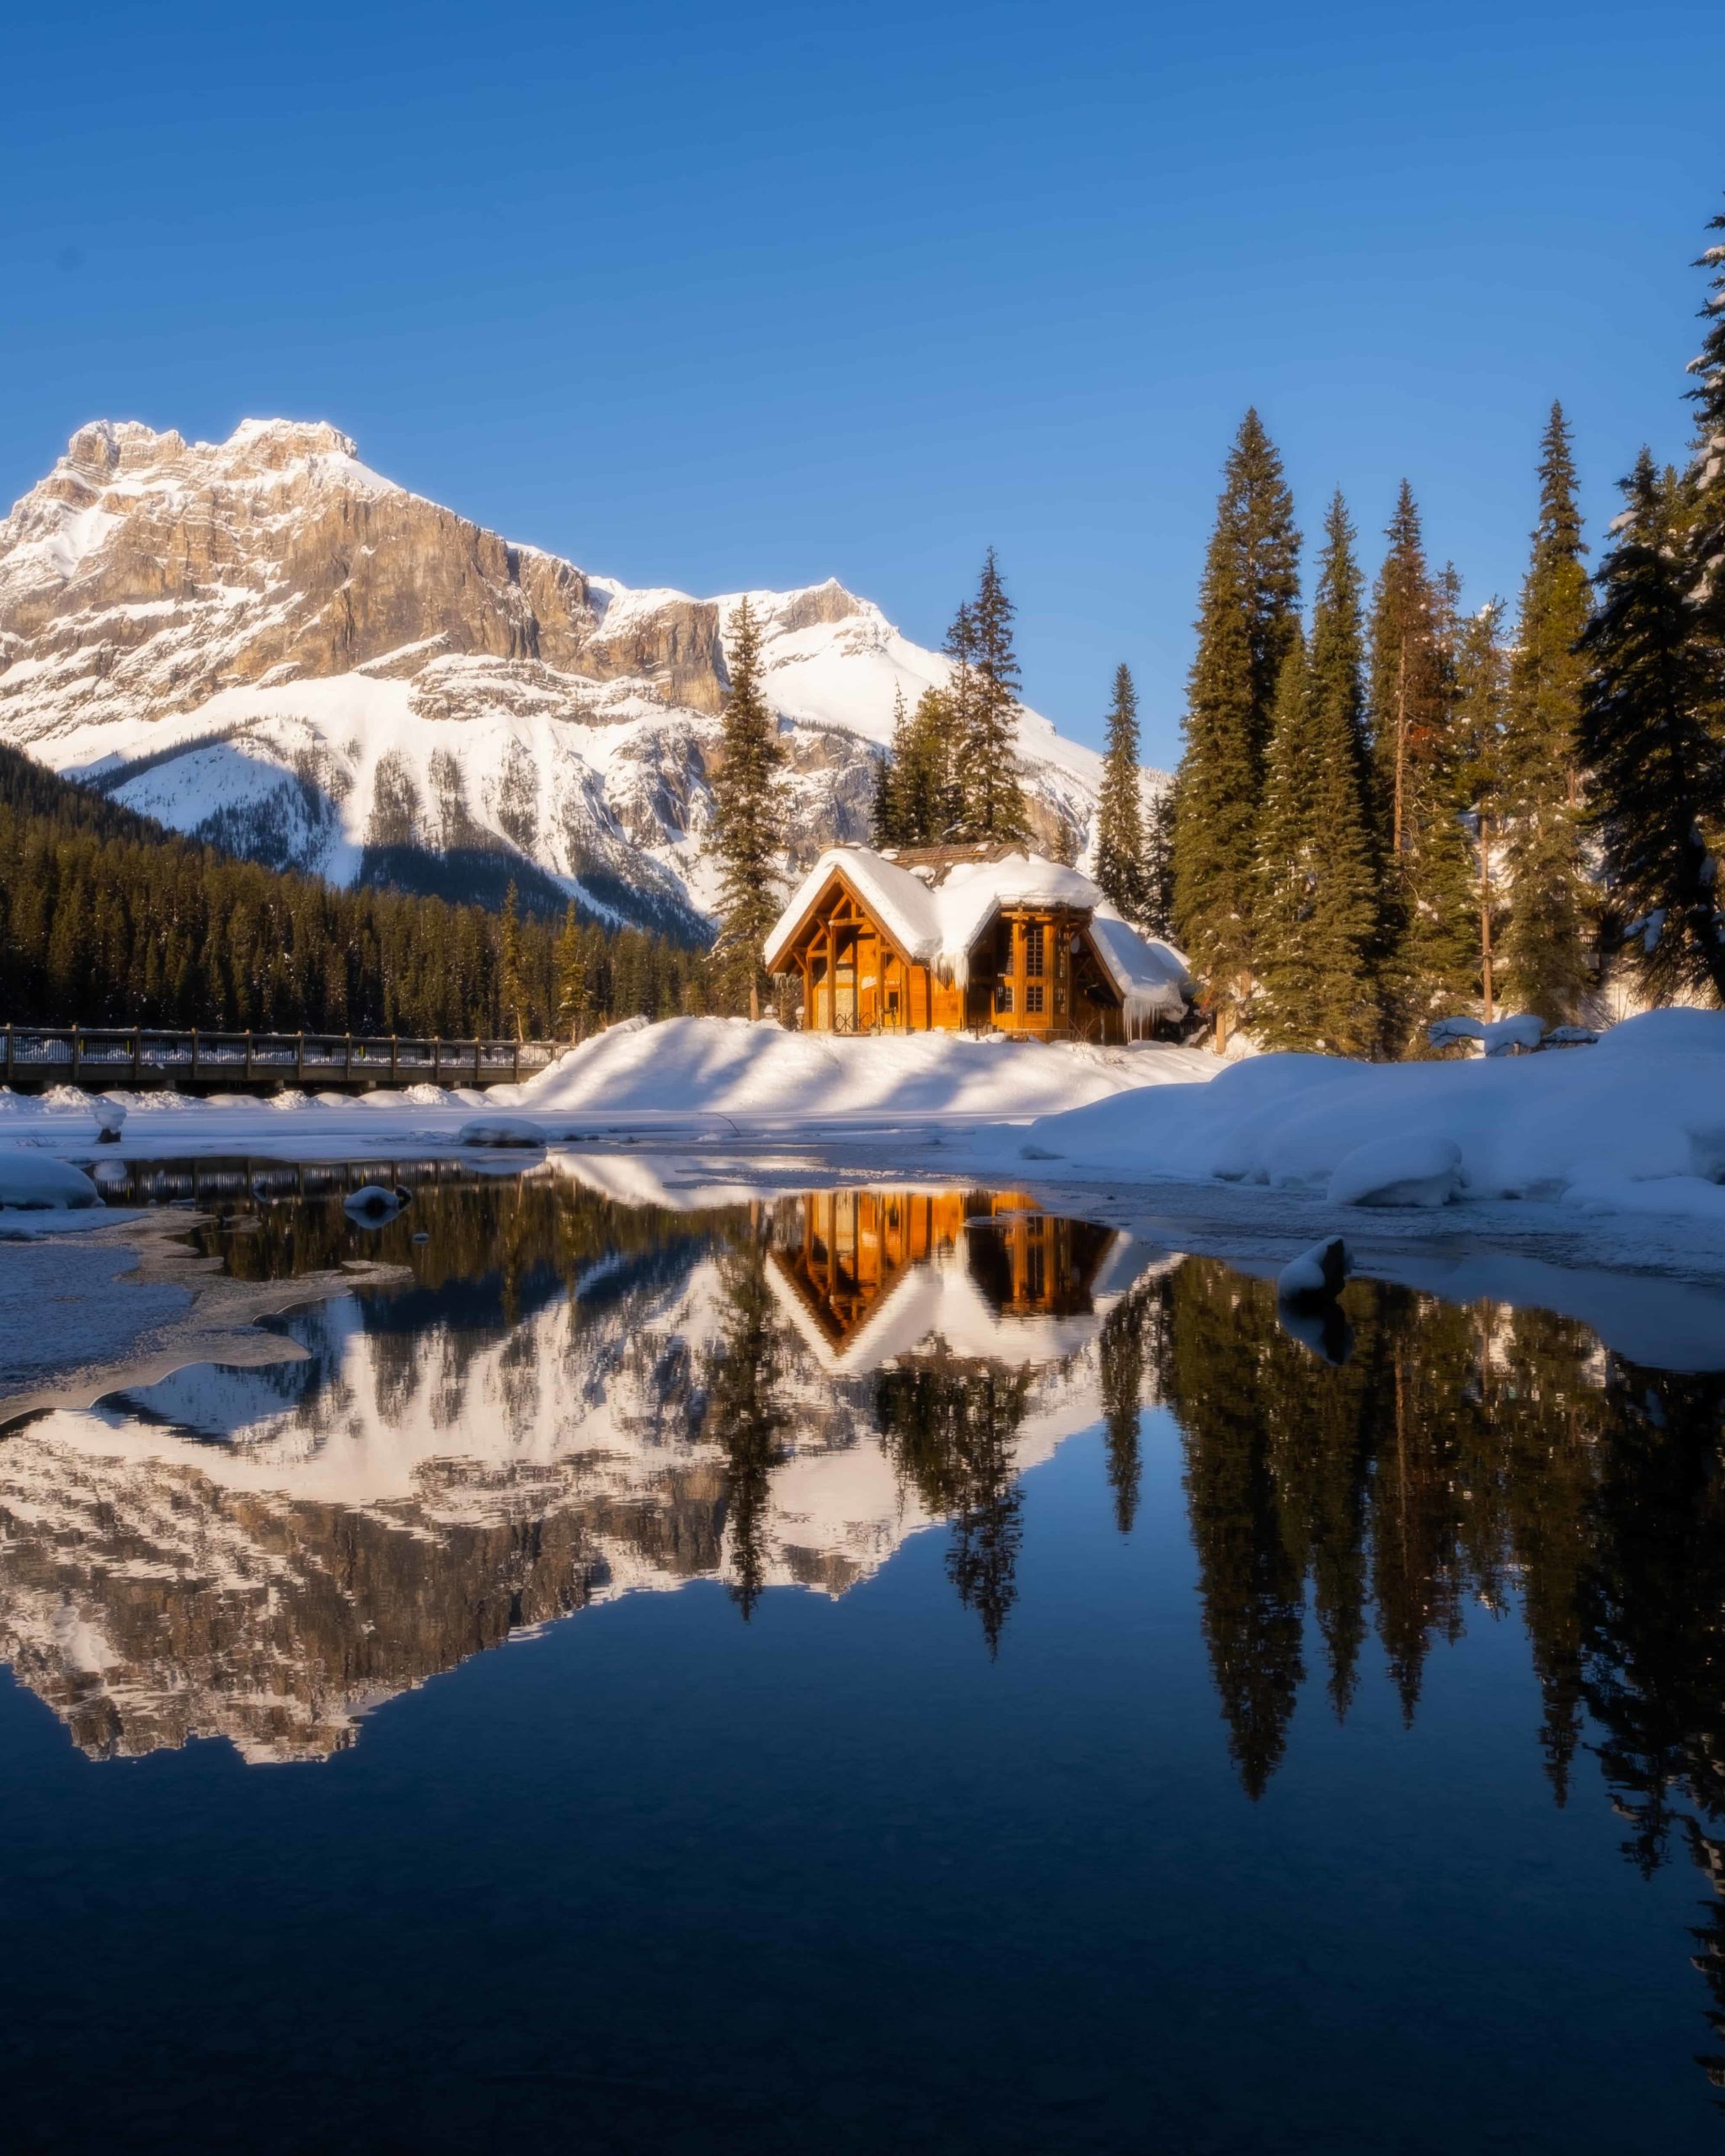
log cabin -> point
(976, 938)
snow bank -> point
(34, 1183)
(760, 1073)
(1636, 1123)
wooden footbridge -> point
(33, 1058)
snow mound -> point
(1403, 1170)
(33, 1182)
(729, 1068)
(1636, 1124)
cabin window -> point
(1033, 996)
(1003, 948)
(1003, 996)
(1032, 949)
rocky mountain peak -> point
(265, 642)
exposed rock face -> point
(265, 642)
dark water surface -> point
(963, 1681)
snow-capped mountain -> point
(265, 642)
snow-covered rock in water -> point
(1316, 1274)
(110, 1116)
(374, 1203)
(33, 1182)
(508, 1130)
(1398, 1171)
(339, 674)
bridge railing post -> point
(478, 1075)
(194, 1055)
(392, 1059)
(248, 1055)
(299, 1057)
(9, 1055)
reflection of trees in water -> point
(1125, 1349)
(1464, 1453)
(747, 1410)
(949, 1424)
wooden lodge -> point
(970, 938)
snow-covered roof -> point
(936, 914)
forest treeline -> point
(1399, 807)
(107, 919)
(1394, 807)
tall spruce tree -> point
(749, 820)
(511, 985)
(1120, 864)
(1482, 696)
(885, 807)
(1428, 964)
(1159, 860)
(1705, 523)
(570, 977)
(986, 686)
(1656, 760)
(1248, 618)
(1545, 936)
(1317, 910)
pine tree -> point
(1656, 763)
(511, 990)
(1481, 696)
(1247, 617)
(889, 806)
(749, 818)
(1704, 532)
(1159, 861)
(1544, 945)
(1317, 908)
(570, 977)
(925, 805)
(987, 684)
(1120, 865)
(1428, 966)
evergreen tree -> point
(1544, 945)
(1159, 861)
(1705, 533)
(1247, 617)
(1429, 966)
(570, 979)
(925, 809)
(1481, 696)
(1120, 866)
(1316, 909)
(887, 817)
(511, 988)
(749, 819)
(985, 696)
(1656, 764)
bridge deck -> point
(34, 1058)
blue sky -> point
(754, 294)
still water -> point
(859, 1670)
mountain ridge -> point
(267, 642)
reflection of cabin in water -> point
(850, 1250)
(974, 938)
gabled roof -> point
(935, 902)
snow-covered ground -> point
(683, 1076)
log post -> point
(477, 1051)
(194, 1055)
(9, 1055)
(137, 1055)
(392, 1059)
(299, 1058)
(248, 1055)
(517, 1075)
(347, 1058)
(436, 1059)
(78, 1047)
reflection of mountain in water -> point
(577, 1400)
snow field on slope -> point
(1636, 1124)
(763, 1073)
